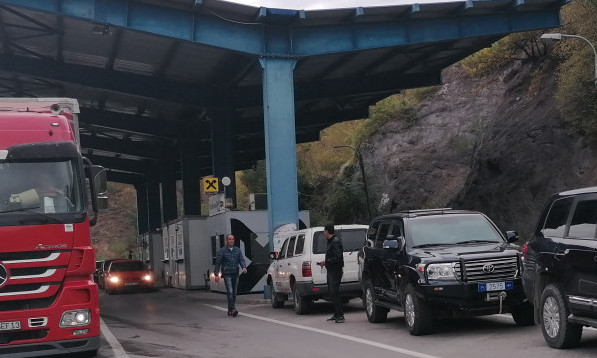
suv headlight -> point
(440, 272)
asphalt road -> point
(175, 323)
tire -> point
(302, 305)
(275, 300)
(557, 331)
(417, 314)
(524, 314)
(375, 313)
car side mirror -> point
(512, 236)
(393, 243)
(274, 255)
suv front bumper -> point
(347, 289)
(466, 296)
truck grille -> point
(502, 268)
(34, 277)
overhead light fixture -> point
(101, 30)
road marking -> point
(112, 341)
(338, 335)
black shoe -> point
(340, 319)
(234, 312)
(229, 313)
(333, 318)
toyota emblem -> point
(488, 268)
(3, 275)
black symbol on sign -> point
(211, 184)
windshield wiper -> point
(476, 242)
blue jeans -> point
(231, 282)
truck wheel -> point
(417, 314)
(524, 314)
(301, 304)
(375, 313)
(276, 300)
(557, 331)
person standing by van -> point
(229, 258)
(334, 263)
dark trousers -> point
(334, 277)
(231, 283)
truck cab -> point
(48, 300)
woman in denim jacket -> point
(228, 260)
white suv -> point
(295, 271)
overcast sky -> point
(328, 4)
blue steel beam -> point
(296, 40)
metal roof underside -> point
(147, 73)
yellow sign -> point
(210, 185)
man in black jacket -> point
(334, 262)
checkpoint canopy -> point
(180, 89)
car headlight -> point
(75, 318)
(114, 279)
(440, 272)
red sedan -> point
(124, 275)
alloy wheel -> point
(551, 317)
(409, 310)
(369, 301)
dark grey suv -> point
(440, 263)
(560, 275)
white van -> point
(294, 271)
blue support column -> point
(222, 147)
(280, 142)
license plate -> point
(131, 283)
(10, 326)
(496, 286)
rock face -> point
(494, 144)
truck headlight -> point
(440, 272)
(75, 318)
(147, 277)
(114, 279)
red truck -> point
(48, 300)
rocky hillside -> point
(494, 143)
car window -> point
(584, 220)
(384, 229)
(396, 229)
(451, 230)
(555, 223)
(372, 234)
(290, 251)
(300, 245)
(282, 253)
(127, 266)
(352, 239)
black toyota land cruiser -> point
(441, 263)
(560, 267)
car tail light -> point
(306, 269)
(524, 249)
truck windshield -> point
(451, 230)
(43, 187)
